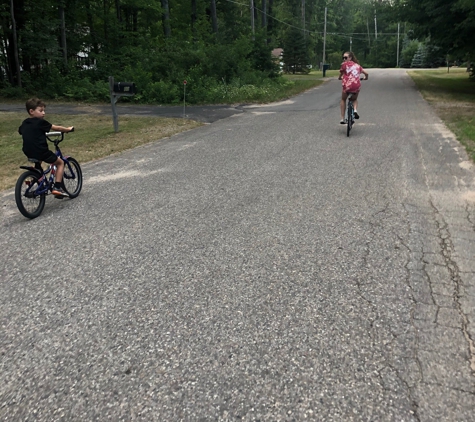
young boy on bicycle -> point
(33, 130)
(350, 72)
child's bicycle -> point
(350, 112)
(33, 185)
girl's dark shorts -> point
(48, 157)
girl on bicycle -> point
(350, 72)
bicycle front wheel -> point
(72, 178)
(349, 120)
(30, 204)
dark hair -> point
(33, 104)
(352, 57)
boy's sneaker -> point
(59, 193)
(357, 116)
(343, 122)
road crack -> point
(447, 249)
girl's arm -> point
(364, 73)
(56, 128)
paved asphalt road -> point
(263, 267)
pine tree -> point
(295, 54)
(420, 56)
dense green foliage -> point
(69, 48)
(446, 26)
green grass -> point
(452, 94)
(93, 138)
(440, 84)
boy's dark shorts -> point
(48, 157)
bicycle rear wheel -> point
(29, 204)
(72, 178)
(349, 119)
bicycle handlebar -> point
(48, 134)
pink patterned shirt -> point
(351, 76)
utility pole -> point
(367, 27)
(351, 42)
(375, 26)
(324, 41)
(397, 57)
(303, 19)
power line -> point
(278, 20)
(337, 34)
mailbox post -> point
(117, 90)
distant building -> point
(278, 54)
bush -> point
(215, 72)
(162, 92)
(12, 92)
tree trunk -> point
(270, 22)
(263, 14)
(106, 20)
(92, 29)
(117, 11)
(15, 46)
(63, 35)
(166, 18)
(214, 17)
(193, 19)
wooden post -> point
(114, 99)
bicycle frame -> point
(44, 183)
(350, 105)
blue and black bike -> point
(350, 114)
(35, 184)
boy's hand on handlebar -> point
(71, 129)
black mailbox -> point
(117, 90)
(124, 88)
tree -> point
(295, 54)
(419, 58)
(449, 23)
(409, 48)
(77, 44)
